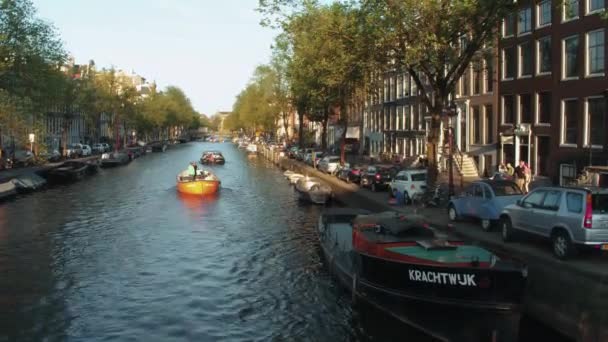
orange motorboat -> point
(205, 183)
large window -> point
(476, 116)
(570, 122)
(466, 82)
(544, 13)
(525, 108)
(508, 26)
(544, 107)
(525, 59)
(524, 23)
(595, 52)
(489, 74)
(596, 121)
(570, 57)
(489, 114)
(477, 77)
(570, 10)
(594, 5)
(508, 62)
(508, 109)
(544, 55)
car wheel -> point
(452, 214)
(487, 224)
(562, 245)
(506, 229)
(374, 189)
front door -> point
(542, 155)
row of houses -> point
(539, 94)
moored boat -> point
(409, 270)
(29, 182)
(7, 190)
(205, 183)
(294, 178)
(68, 171)
(114, 159)
(313, 190)
(212, 157)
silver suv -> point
(569, 216)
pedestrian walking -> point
(520, 175)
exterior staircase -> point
(464, 170)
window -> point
(525, 108)
(552, 200)
(408, 119)
(570, 60)
(594, 5)
(544, 13)
(525, 59)
(466, 82)
(508, 25)
(544, 107)
(574, 202)
(508, 112)
(544, 55)
(478, 191)
(535, 198)
(477, 77)
(570, 122)
(570, 10)
(476, 125)
(489, 124)
(489, 74)
(508, 62)
(524, 24)
(595, 52)
(596, 121)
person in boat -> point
(192, 170)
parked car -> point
(329, 164)
(377, 177)
(23, 158)
(484, 200)
(106, 147)
(292, 152)
(570, 216)
(51, 156)
(86, 150)
(308, 158)
(408, 183)
(98, 148)
(74, 151)
(303, 152)
(342, 172)
(354, 174)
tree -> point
(434, 41)
(30, 53)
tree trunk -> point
(431, 150)
(286, 126)
(343, 137)
(324, 130)
(301, 129)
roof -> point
(345, 211)
(392, 221)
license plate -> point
(605, 247)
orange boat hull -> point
(199, 187)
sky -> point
(209, 48)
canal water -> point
(121, 256)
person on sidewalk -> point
(520, 175)
(510, 170)
(527, 178)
